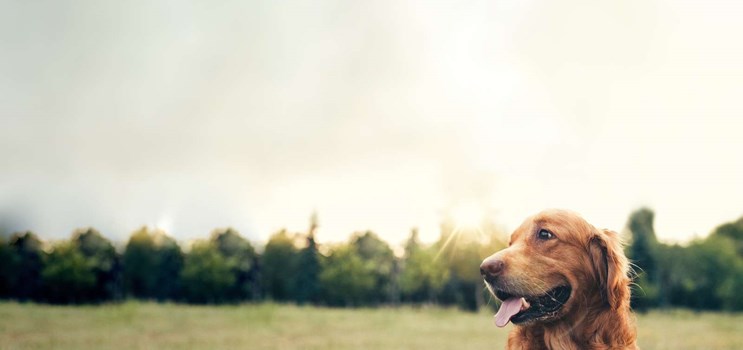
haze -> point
(381, 115)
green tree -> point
(346, 279)
(140, 262)
(375, 253)
(105, 262)
(242, 259)
(279, 267)
(152, 265)
(423, 275)
(307, 281)
(169, 265)
(729, 289)
(643, 252)
(207, 275)
(68, 277)
(733, 231)
(461, 250)
(709, 268)
(28, 250)
(9, 270)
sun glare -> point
(468, 220)
(468, 216)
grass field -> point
(271, 326)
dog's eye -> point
(544, 235)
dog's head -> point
(556, 264)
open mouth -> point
(523, 308)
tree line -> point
(706, 274)
(227, 268)
(363, 271)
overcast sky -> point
(377, 115)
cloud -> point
(378, 115)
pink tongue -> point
(509, 308)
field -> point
(272, 326)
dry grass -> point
(271, 326)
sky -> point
(383, 115)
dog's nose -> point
(492, 267)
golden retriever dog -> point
(564, 285)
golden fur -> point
(597, 315)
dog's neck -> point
(601, 328)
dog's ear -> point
(610, 267)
